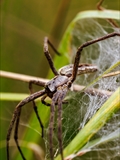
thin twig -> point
(21, 77)
(76, 87)
(92, 91)
(111, 74)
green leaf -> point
(13, 96)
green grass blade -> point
(13, 96)
(103, 140)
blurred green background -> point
(24, 24)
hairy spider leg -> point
(99, 5)
(60, 124)
(57, 99)
(48, 56)
(43, 100)
(51, 45)
(39, 83)
(88, 43)
(63, 92)
(16, 132)
(36, 82)
(51, 124)
(52, 110)
(48, 104)
(16, 117)
(111, 21)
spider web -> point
(82, 106)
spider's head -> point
(50, 86)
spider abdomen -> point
(82, 69)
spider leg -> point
(48, 104)
(16, 116)
(48, 56)
(51, 124)
(60, 125)
(78, 54)
(39, 83)
(43, 100)
(38, 117)
(51, 45)
(51, 128)
(99, 5)
(57, 99)
(62, 95)
(111, 21)
(16, 133)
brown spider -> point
(56, 89)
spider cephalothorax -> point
(56, 89)
(57, 81)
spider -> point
(56, 89)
